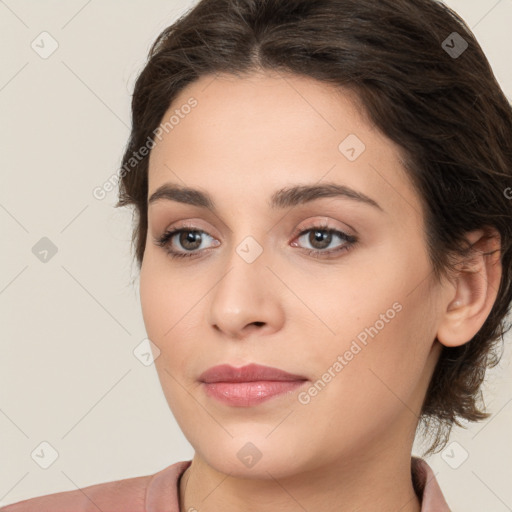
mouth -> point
(249, 385)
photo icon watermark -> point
(249, 249)
(352, 147)
(146, 352)
(44, 250)
(455, 45)
(44, 45)
(249, 454)
(454, 455)
(44, 455)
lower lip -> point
(247, 394)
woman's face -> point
(354, 312)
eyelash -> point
(350, 240)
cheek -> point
(170, 309)
(164, 315)
(384, 358)
(160, 300)
(364, 387)
(379, 319)
(151, 299)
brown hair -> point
(418, 83)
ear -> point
(476, 287)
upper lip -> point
(249, 373)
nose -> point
(247, 300)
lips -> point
(249, 385)
(249, 373)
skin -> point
(349, 448)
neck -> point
(382, 484)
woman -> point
(323, 233)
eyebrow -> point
(283, 198)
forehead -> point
(260, 132)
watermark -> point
(44, 45)
(44, 250)
(351, 147)
(304, 397)
(455, 45)
(454, 455)
(100, 192)
(249, 454)
(508, 192)
(44, 454)
(146, 352)
(249, 249)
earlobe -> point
(476, 287)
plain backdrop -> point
(70, 324)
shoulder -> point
(114, 496)
(426, 487)
(108, 496)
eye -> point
(320, 237)
(192, 239)
(189, 238)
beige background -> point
(68, 374)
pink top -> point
(159, 493)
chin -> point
(253, 456)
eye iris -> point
(192, 237)
(320, 236)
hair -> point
(446, 112)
